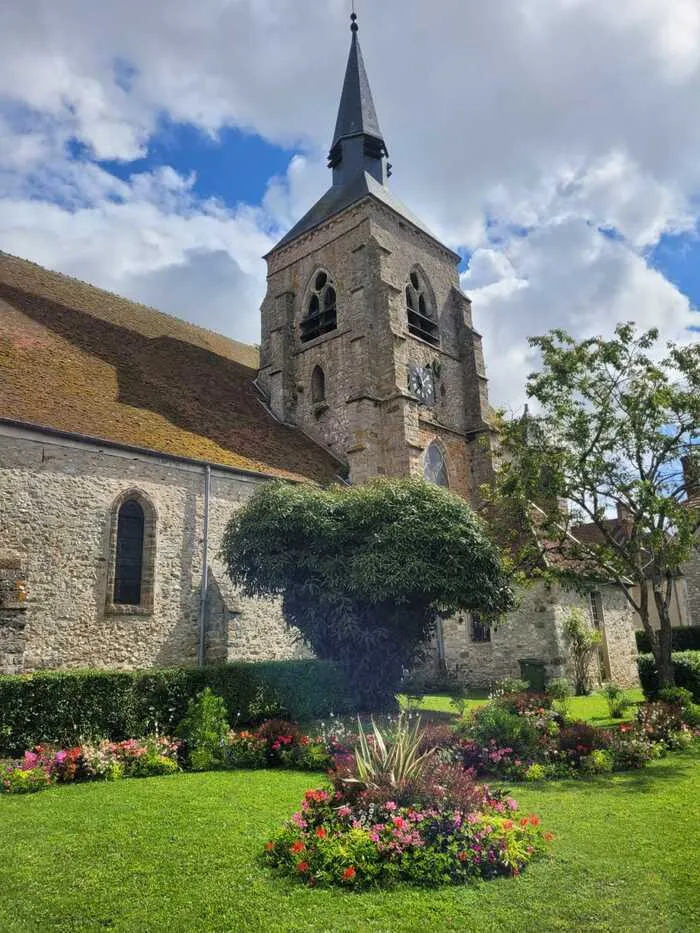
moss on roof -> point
(76, 358)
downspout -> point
(205, 565)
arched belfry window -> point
(321, 315)
(420, 309)
(132, 554)
(435, 469)
(318, 386)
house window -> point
(321, 313)
(595, 601)
(128, 567)
(318, 386)
(435, 469)
(131, 567)
(480, 631)
(419, 309)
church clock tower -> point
(367, 339)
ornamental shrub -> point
(66, 708)
(686, 672)
(204, 730)
(493, 725)
(618, 701)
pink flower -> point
(390, 805)
(344, 811)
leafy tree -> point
(614, 424)
(364, 571)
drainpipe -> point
(440, 633)
(205, 565)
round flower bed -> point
(335, 840)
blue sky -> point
(159, 150)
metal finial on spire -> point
(353, 21)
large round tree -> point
(364, 571)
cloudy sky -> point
(158, 149)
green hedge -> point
(65, 707)
(686, 668)
(683, 638)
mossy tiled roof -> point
(78, 359)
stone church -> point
(128, 437)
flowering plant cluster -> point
(44, 765)
(365, 841)
(522, 738)
(276, 744)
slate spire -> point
(358, 145)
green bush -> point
(683, 638)
(492, 724)
(686, 671)
(618, 701)
(204, 730)
(70, 707)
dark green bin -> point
(534, 672)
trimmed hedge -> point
(683, 638)
(67, 707)
(686, 669)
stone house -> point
(128, 437)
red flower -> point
(302, 867)
(269, 846)
(462, 856)
(321, 833)
(297, 847)
(525, 820)
(548, 837)
(534, 820)
(349, 874)
(508, 824)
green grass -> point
(592, 708)
(180, 854)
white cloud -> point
(559, 116)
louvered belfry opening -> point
(128, 572)
(421, 321)
(322, 315)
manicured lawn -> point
(593, 708)
(179, 853)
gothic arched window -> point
(321, 311)
(128, 566)
(420, 310)
(318, 386)
(435, 469)
(132, 554)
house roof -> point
(78, 359)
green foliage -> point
(561, 692)
(29, 781)
(613, 425)
(204, 730)
(583, 643)
(363, 570)
(686, 673)
(67, 708)
(683, 638)
(618, 701)
(492, 725)
(509, 685)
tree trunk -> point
(664, 661)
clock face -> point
(421, 382)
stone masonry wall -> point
(535, 631)
(56, 499)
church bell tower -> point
(367, 339)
